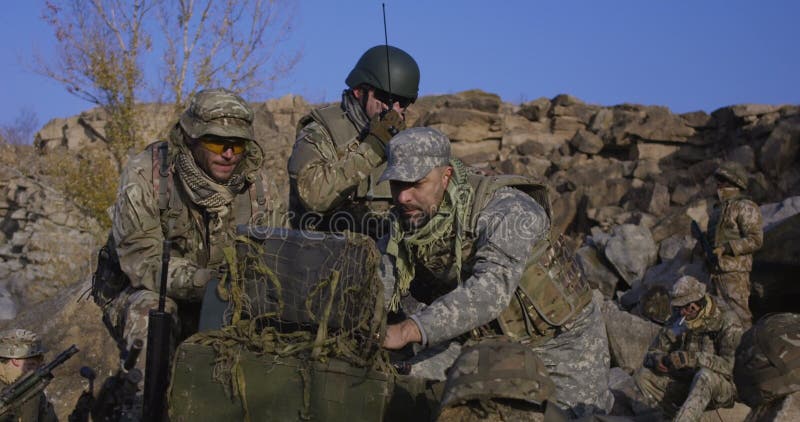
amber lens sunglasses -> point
(218, 146)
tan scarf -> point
(700, 321)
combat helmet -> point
(20, 344)
(687, 290)
(497, 368)
(371, 69)
(732, 172)
(218, 112)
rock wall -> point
(625, 180)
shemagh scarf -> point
(409, 248)
(204, 191)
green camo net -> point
(309, 296)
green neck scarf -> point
(408, 248)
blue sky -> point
(685, 54)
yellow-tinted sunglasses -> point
(218, 146)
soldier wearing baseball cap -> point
(21, 352)
(193, 189)
(462, 243)
(689, 366)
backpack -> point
(768, 359)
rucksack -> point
(768, 359)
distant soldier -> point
(21, 352)
(340, 149)
(689, 366)
(192, 189)
(470, 256)
(735, 232)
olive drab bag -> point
(551, 291)
(768, 359)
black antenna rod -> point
(386, 43)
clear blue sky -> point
(685, 54)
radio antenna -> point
(386, 43)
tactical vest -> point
(550, 292)
(109, 279)
(369, 196)
(768, 359)
(723, 229)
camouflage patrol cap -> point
(497, 368)
(733, 173)
(414, 152)
(687, 290)
(20, 344)
(218, 112)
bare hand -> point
(399, 335)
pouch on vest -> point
(108, 279)
(550, 293)
(551, 290)
(768, 359)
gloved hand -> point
(385, 125)
(680, 360)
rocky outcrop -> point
(625, 183)
(46, 243)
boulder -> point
(587, 142)
(775, 213)
(631, 250)
(786, 409)
(652, 151)
(464, 125)
(658, 204)
(780, 150)
(535, 110)
(677, 247)
(629, 336)
(518, 130)
(476, 152)
(597, 274)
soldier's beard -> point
(413, 223)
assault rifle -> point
(159, 334)
(712, 258)
(30, 385)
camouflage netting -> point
(306, 295)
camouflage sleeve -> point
(726, 342)
(323, 178)
(660, 345)
(137, 230)
(507, 228)
(749, 220)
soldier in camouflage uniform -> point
(689, 366)
(340, 149)
(734, 232)
(470, 256)
(20, 353)
(215, 181)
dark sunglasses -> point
(389, 99)
(218, 146)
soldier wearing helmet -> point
(339, 151)
(689, 366)
(735, 233)
(21, 352)
(193, 189)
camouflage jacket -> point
(712, 345)
(35, 410)
(506, 229)
(736, 222)
(139, 227)
(331, 171)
